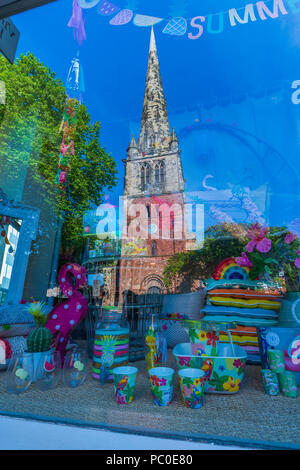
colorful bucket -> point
(192, 382)
(224, 373)
(114, 345)
(124, 382)
(161, 381)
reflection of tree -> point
(30, 143)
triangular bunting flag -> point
(176, 26)
(144, 20)
(123, 17)
(107, 8)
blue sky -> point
(248, 139)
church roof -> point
(155, 129)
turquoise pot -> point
(289, 314)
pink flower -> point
(244, 261)
(163, 381)
(257, 235)
(164, 327)
(289, 238)
(297, 260)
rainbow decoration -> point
(229, 269)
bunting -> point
(181, 25)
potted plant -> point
(273, 253)
(39, 339)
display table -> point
(249, 418)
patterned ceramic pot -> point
(161, 382)
(124, 382)
(192, 382)
(224, 373)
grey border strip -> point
(175, 435)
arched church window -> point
(145, 174)
(157, 173)
(162, 171)
(148, 173)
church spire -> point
(155, 129)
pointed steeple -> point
(132, 149)
(155, 129)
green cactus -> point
(39, 340)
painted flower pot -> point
(124, 382)
(192, 382)
(161, 382)
(224, 373)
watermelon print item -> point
(107, 8)
(176, 26)
(143, 20)
(123, 17)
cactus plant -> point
(40, 338)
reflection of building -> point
(153, 192)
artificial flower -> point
(257, 235)
(289, 238)
(297, 260)
(244, 261)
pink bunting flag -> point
(76, 17)
(106, 8)
(123, 17)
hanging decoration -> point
(123, 17)
(177, 25)
(107, 8)
(77, 22)
(75, 80)
(144, 20)
(68, 126)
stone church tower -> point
(153, 192)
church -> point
(154, 225)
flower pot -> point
(289, 313)
(32, 363)
(184, 304)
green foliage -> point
(30, 143)
(200, 264)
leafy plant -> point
(30, 144)
(219, 243)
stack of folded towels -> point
(250, 304)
